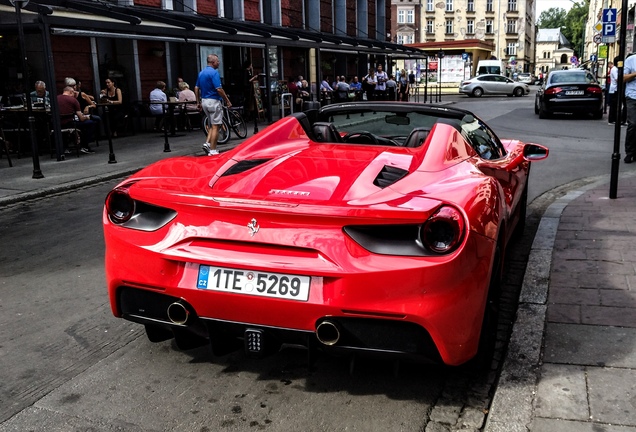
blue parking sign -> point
(609, 29)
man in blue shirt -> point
(629, 73)
(210, 95)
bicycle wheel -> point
(238, 124)
(224, 130)
(224, 133)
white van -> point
(491, 67)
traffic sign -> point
(598, 26)
(609, 29)
(598, 38)
(574, 60)
(609, 15)
(593, 58)
(464, 56)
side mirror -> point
(535, 152)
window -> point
(429, 6)
(406, 16)
(546, 54)
(483, 139)
(512, 5)
(449, 5)
(401, 16)
(400, 39)
(489, 6)
(511, 49)
(471, 6)
(489, 27)
(430, 26)
(564, 58)
(449, 26)
(470, 26)
(405, 38)
(410, 16)
(511, 26)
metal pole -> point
(37, 172)
(620, 91)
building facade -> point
(553, 51)
(506, 25)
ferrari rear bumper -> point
(165, 317)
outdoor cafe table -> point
(20, 114)
(170, 107)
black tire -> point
(536, 106)
(224, 130)
(238, 124)
(518, 92)
(597, 115)
(488, 336)
(478, 92)
(543, 114)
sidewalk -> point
(131, 153)
(571, 362)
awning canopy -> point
(103, 19)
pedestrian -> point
(381, 78)
(613, 94)
(210, 96)
(403, 87)
(157, 108)
(629, 73)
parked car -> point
(526, 78)
(573, 91)
(368, 227)
(493, 84)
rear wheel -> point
(518, 92)
(536, 106)
(224, 130)
(478, 92)
(543, 114)
(488, 336)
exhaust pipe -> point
(328, 333)
(177, 313)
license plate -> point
(574, 93)
(250, 282)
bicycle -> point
(232, 120)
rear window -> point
(582, 77)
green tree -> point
(552, 18)
(575, 25)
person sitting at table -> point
(87, 102)
(187, 95)
(112, 95)
(40, 96)
(324, 85)
(158, 109)
(71, 115)
(342, 90)
(303, 95)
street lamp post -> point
(37, 172)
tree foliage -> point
(575, 25)
(571, 23)
(552, 18)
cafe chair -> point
(5, 147)
(70, 137)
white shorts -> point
(214, 110)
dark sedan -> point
(573, 91)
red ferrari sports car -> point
(365, 227)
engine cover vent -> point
(389, 175)
(243, 166)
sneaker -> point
(213, 152)
(86, 150)
(206, 148)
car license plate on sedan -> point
(278, 285)
(574, 93)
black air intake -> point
(389, 175)
(243, 166)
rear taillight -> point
(553, 90)
(443, 231)
(120, 207)
(594, 90)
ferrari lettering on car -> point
(367, 227)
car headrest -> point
(326, 132)
(416, 137)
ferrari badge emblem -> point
(253, 227)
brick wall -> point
(292, 14)
(71, 58)
(151, 67)
(154, 3)
(207, 7)
(252, 10)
